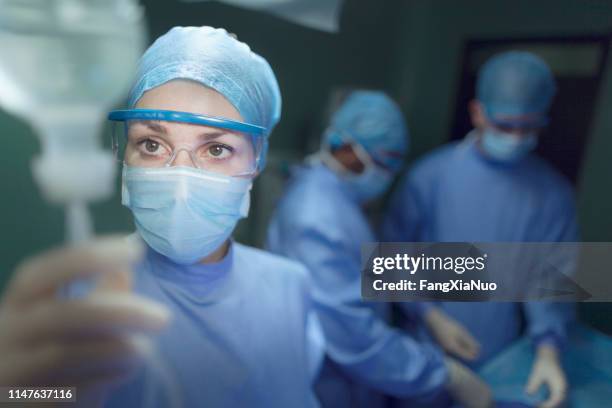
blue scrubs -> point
(237, 338)
(457, 194)
(320, 223)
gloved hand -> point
(451, 335)
(466, 387)
(547, 370)
(90, 343)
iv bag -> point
(63, 65)
(67, 54)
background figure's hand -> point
(466, 387)
(547, 370)
(88, 343)
(451, 335)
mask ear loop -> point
(326, 156)
(330, 161)
(362, 154)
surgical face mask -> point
(371, 183)
(505, 147)
(182, 212)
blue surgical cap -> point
(215, 59)
(373, 120)
(516, 83)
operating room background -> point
(412, 49)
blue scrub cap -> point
(215, 59)
(373, 120)
(516, 83)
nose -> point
(182, 157)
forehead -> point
(170, 128)
(188, 96)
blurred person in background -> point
(320, 221)
(490, 187)
(195, 136)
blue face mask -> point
(505, 147)
(182, 212)
(368, 185)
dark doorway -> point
(578, 65)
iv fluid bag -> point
(63, 65)
(72, 56)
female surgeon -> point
(196, 134)
(193, 140)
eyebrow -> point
(155, 126)
(158, 127)
(215, 134)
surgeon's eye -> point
(151, 147)
(219, 151)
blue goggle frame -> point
(539, 121)
(535, 124)
(186, 117)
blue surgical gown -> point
(237, 338)
(456, 194)
(587, 360)
(320, 223)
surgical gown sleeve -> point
(404, 220)
(357, 339)
(547, 321)
(406, 213)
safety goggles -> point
(508, 123)
(379, 157)
(163, 138)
